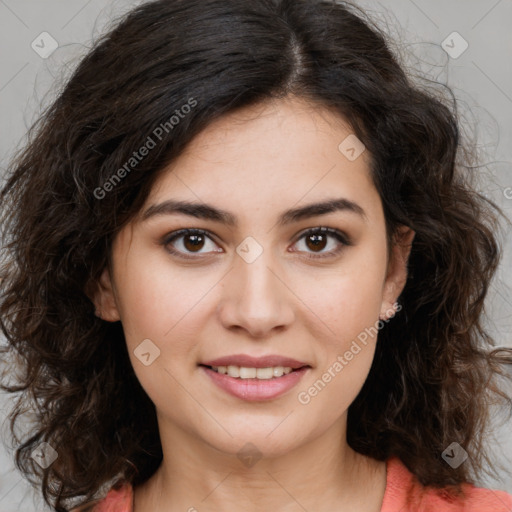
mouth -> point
(254, 384)
(248, 373)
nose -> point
(256, 298)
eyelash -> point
(339, 235)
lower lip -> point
(256, 389)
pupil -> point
(195, 244)
(318, 243)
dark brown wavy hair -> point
(435, 373)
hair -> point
(435, 373)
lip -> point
(255, 362)
(256, 390)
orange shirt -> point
(399, 480)
(427, 499)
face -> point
(269, 276)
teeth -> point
(241, 372)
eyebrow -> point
(208, 212)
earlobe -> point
(103, 297)
(397, 271)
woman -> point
(245, 270)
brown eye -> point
(193, 242)
(190, 241)
(318, 239)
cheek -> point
(347, 300)
(346, 310)
(344, 314)
(165, 305)
(156, 299)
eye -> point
(189, 241)
(317, 239)
(185, 242)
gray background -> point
(481, 78)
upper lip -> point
(255, 362)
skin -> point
(256, 163)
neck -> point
(195, 476)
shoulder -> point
(402, 484)
(474, 499)
(117, 500)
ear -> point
(397, 271)
(102, 295)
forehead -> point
(260, 158)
